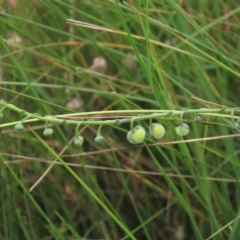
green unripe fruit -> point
(197, 119)
(182, 130)
(130, 137)
(19, 127)
(48, 132)
(157, 130)
(79, 140)
(98, 139)
(136, 136)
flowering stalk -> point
(99, 138)
(47, 131)
(60, 119)
(79, 140)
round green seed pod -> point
(182, 130)
(136, 136)
(79, 140)
(130, 137)
(139, 134)
(19, 127)
(157, 130)
(98, 139)
(48, 132)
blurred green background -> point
(119, 55)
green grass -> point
(159, 55)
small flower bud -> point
(79, 140)
(130, 62)
(73, 104)
(157, 130)
(48, 132)
(98, 139)
(117, 122)
(99, 64)
(197, 119)
(182, 130)
(19, 127)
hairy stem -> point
(170, 114)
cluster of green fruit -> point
(156, 130)
(135, 136)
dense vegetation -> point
(105, 60)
